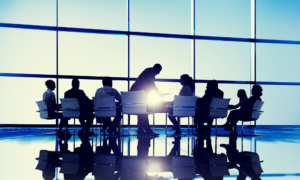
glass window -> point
(281, 105)
(27, 51)
(230, 18)
(96, 14)
(276, 19)
(93, 54)
(174, 55)
(278, 62)
(167, 16)
(222, 60)
(18, 100)
(34, 12)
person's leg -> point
(200, 123)
(140, 124)
(147, 126)
(82, 123)
(209, 125)
(116, 122)
(175, 123)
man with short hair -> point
(145, 81)
(106, 91)
(50, 100)
(86, 105)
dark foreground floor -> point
(278, 151)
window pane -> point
(27, 51)
(278, 62)
(230, 18)
(35, 12)
(167, 16)
(281, 105)
(222, 60)
(174, 55)
(92, 54)
(97, 14)
(277, 19)
(18, 100)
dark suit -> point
(205, 102)
(145, 82)
(86, 111)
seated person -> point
(245, 110)
(49, 99)
(203, 106)
(86, 105)
(105, 91)
(188, 88)
(243, 99)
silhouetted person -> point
(203, 104)
(188, 88)
(245, 110)
(145, 81)
(86, 111)
(106, 91)
(242, 100)
(50, 100)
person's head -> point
(184, 79)
(157, 68)
(50, 84)
(241, 93)
(107, 81)
(75, 83)
(212, 84)
(257, 90)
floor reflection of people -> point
(249, 164)
(202, 155)
(86, 155)
(145, 81)
(203, 105)
(175, 151)
(86, 111)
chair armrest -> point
(103, 107)
(69, 108)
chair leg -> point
(216, 128)
(74, 127)
(242, 128)
(188, 125)
(166, 124)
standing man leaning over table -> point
(145, 81)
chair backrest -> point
(104, 106)
(43, 109)
(184, 105)
(183, 167)
(104, 165)
(218, 107)
(218, 165)
(70, 163)
(71, 108)
(256, 109)
(134, 102)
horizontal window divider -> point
(146, 34)
(133, 79)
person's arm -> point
(150, 81)
(117, 96)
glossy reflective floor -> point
(142, 157)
